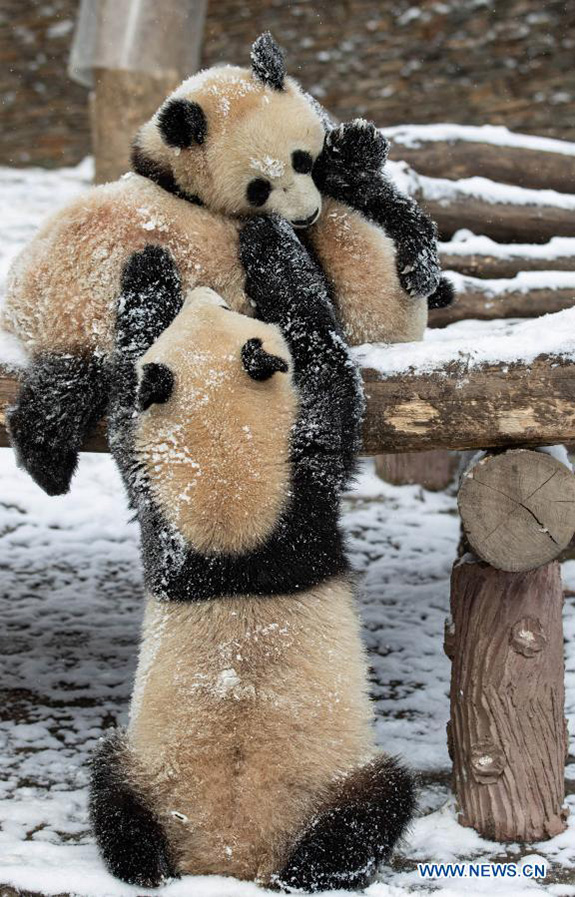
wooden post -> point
(433, 470)
(507, 734)
(122, 101)
(137, 54)
(517, 509)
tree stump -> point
(507, 735)
(433, 470)
(518, 509)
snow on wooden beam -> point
(459, 408)
(479, 256)
(501, 211)
(496, 384)
(456, 151)
(487, 385)
(527, 295)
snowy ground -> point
(70, 606)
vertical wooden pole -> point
(507, 734)
(434, 470)
(122, 101)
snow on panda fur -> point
(250, 747)
(228, 143)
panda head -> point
(241, 141)
(214, 409)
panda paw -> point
(443, 296)
(352, 153)
(418, 272)
(280, 272)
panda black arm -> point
(289, 290)
(349, 169)
(150, 299)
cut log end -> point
(518, 509)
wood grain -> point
(434, 470)
(510, 164)
(507, 733)
(461, 408)
(491, 266)
(517, 509)
(455, 407)
(482, 303)
(501, 221)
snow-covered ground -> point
(70, 609)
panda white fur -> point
(250, 748)
(228, 143)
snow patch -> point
(474, 343)
(272, 168)
(413, 136)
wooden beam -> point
(122, 101)
(535, 169)
(457, 407)
(452, 407)
(480, 300)
(492, 266)
(458, 209)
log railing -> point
(451, 406)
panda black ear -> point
(156, 385)
(182, 123)
(258, 363)
(268, 63)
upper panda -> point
(250, 749)
(230, 142)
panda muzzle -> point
(306, 222)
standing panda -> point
(228, 143)
(250, 747)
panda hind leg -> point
(129, 835)
(354, 832)
(62, 397)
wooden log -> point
(454, 406)
(517, 509)
(507, 734)
(510, 299)
(499, 220)
(121, 102)
(535, 169)
(493, 266)
(432, 470)
(460, 407)
(502, 212)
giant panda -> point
(250, 745)
(228, 143)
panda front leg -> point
(62, 397)
(355, 831)
(130, 837)
(350, 170)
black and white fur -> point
(274, 772)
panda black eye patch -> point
(302, 162)
(258, 191)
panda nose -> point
(306, 222)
